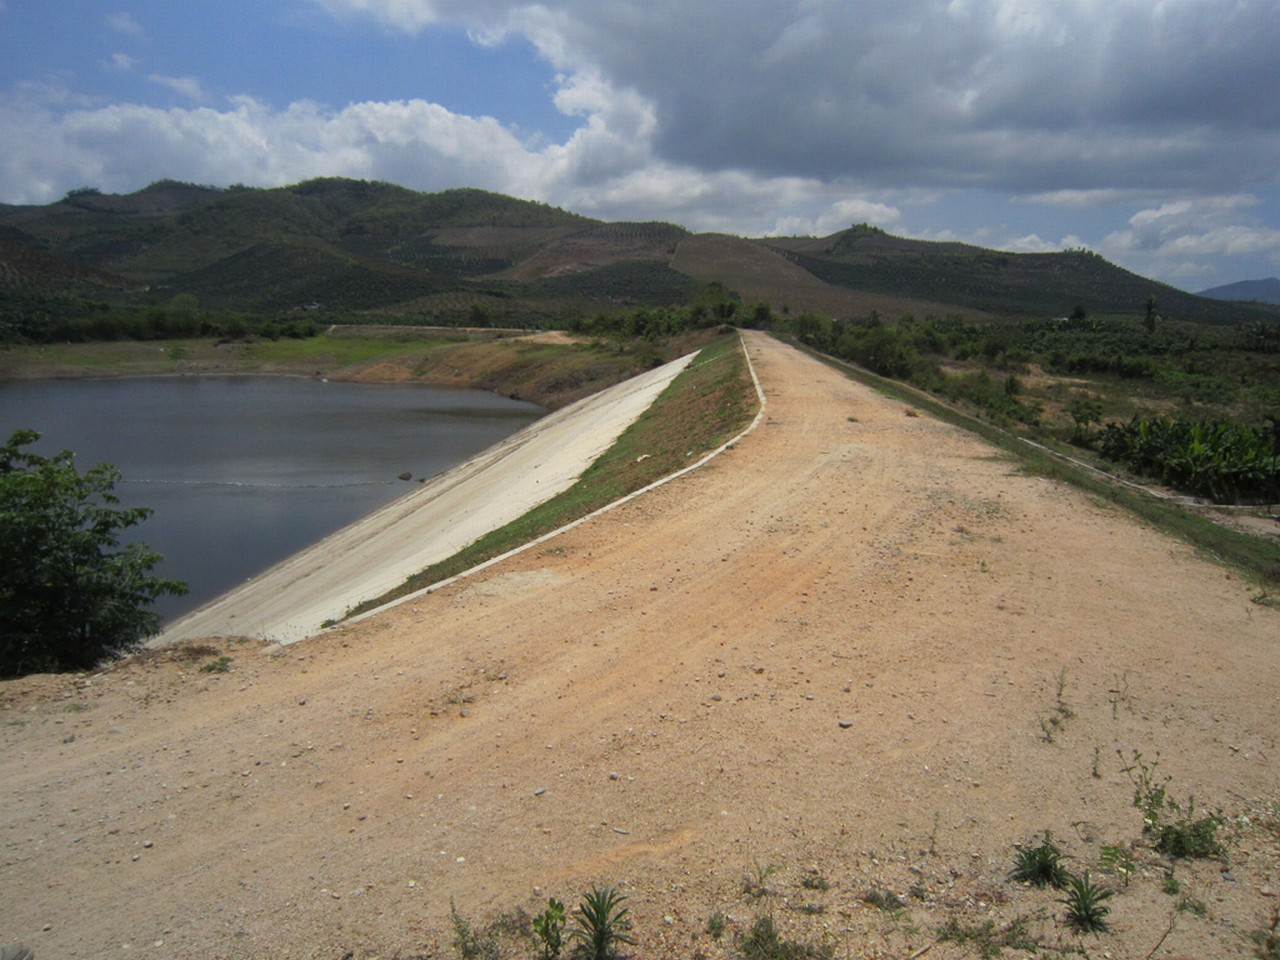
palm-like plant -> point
(601, 922)
(1086, 911)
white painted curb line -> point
(581, 520)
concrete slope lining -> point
(377, 553)
(755, 422)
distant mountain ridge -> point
(1256, 291)
(351, 245)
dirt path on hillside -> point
(829, 658)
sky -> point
(1145, 130)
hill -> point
(868, 259)
(1258, 291)
(351, 246)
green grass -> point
(1253, 556)
(707, 404)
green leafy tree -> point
(70, 595)
(1084, 411)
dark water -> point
(244, 471)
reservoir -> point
(241, 472)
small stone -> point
(47, 927)
(413, 883)
(540, 791)
(845, 724)
(137, 857)
(1267, 892)
(148, 844)
(613, 776)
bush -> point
(69, 594)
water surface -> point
(244, 471)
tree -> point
(1152, 316)
(70, 595)
(1084, 411)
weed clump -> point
(763, 942)
(1185, 836)
(1040, 866)
(1086, 905)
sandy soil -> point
(376, 554)
(831, 655)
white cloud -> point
(1031, 243)
(124, 23)
(1184, 237)
(1039, 98)
(1081, 199)
(189, 87)
(121, 63)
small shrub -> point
(756, 885)
(1186, 836)
(1190, 839)
(1117, 859)
(470, 944)
(601, 923)
(814, 881)
(548, 926)
(221, 665)
(884, 900)
(762, 942)
(1086, 908)
(1266, 943)
(988, 939)
(1192, 905)
(1040, 866)
(715, 925)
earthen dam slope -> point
(826, 665)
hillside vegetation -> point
(346, 247)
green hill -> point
(351, 245)
(1054, 284)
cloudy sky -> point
(1147, 130)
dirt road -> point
(832, 658)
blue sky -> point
(1147, 130)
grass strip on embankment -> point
(710, 402)
(1253, 556)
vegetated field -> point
(1062, 380)
(811, 696)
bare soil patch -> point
(830, 654)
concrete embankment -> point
(364, 560)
